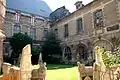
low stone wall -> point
(37, 74)
(89, 73)
(10, 72)
(13, 73)
(85, 72)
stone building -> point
(22, 17)
(94, 24)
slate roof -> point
(38, 7)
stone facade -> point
(27, 23)
(94, 24)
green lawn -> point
(62, 72)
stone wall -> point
(25, 23)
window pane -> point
(66, 33)
(98, 18)
(17, 28)
(79, 25)
(33, 33)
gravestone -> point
(25, 63)
(99, 67)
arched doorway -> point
(104, 44)
(82, 52)
(68, 54)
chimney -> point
(78, 5)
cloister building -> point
(22, 17)
(94, 24)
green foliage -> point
(18, 42)
(36, 50)
(88, 62)
(51, 46)
(113, 58)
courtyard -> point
(40, 40)
(62, 72)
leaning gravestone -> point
(25, 63)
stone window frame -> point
(17, 17)
(68, 53)
(100, 18)
(33, 19)
(45, 31)
(79, 29)
(66, 30)
(17, 28)
(33, 33)
(56, 32)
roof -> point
(75, 11)
(38, 7)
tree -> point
(18, 42)
(51, 46)
(35, 54)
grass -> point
(61, 72)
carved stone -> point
(25, 63)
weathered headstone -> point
(99, 66)
(25, 63)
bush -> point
(111, 58)
(35, 54)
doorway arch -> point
(81, 51)
(107, 45)
(67, 54)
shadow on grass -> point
(59, 66)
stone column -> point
(73, 56)
(2, 15)
(1, 49)
(63, 55)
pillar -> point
(25, 63)
(1, 49)
(2, 15)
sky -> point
(69, 4)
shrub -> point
(111, 58)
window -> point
(68, 53)
(17, 28)
(98, 18)
(33, 33)
(66, 33)
(17, 17)
(56, 32)
(32, 20)
(45, 31)
(79, 25)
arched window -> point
(68, 53)
(81, 51)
